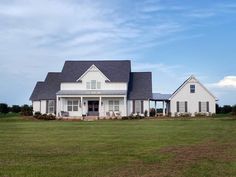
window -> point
(192, 88)
(51, 106)
(88, 85)
(114, 105)
(93, 84)
(75, 105)
(110, 105)
(72, 105)
(203, 106)
(69, 106)
(98, 85)
(137, 106)
(182, 106)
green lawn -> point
(150, 148)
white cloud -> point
(227, 82)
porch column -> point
(155, 108)
(100, 106)
(125, 107)
(57, 107)
(167, 108)
(163, 108)
(82, 105)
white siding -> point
(201, 94)
(43, 106)
(93, 75)
(129, 107)
(146, 106)
(36, 106)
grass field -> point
(150, 148)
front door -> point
(93, 107)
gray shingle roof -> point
(160, 97)
(140, 86)
(140, 83)
(47, 89)
(115, 70)
(35, 96)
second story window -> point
(93, 84)
(87, 85)
(192, 88)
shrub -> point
(131, 117)
(37, 114)
(152, 112)
(200, 114)
(145, 113)
(15, 108)
(26, 110)
(4, 108)
(45, 117)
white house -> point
(111, 89)
(94, 88)
(193, 98)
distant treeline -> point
(24, 110)
(226, 109)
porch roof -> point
(160, 97)
(92, 92)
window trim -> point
(181, 106)
(113, 105)
(93, 85)
(88, 85)
(203, 106)
(51, 106)
(73, 105)
(192, 88)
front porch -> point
(164, 99)
(91, 106)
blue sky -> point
(173, 39)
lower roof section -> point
(92, 92)
(160, 97)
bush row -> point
(40, 116)
(132, 117)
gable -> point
(93, 73)
(200, 90)
(115, 70)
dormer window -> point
(93, 84)
(192, 88)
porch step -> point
(90, 118)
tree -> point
(234, 109)
(226, 109)
(15, 108)
(26, 110)
(4, 108)
(218, 109)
